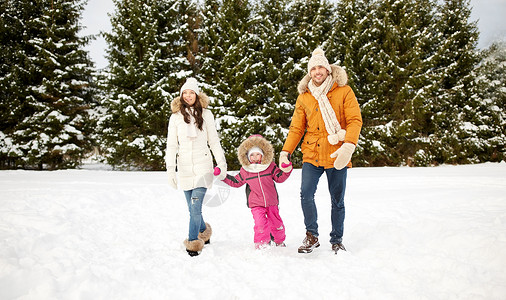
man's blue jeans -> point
(337, 185)
(194, 199)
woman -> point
(191, 133)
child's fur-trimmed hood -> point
(339, 76)
(260, 142)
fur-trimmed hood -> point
(338, 74)
(260, 142)
(175, 105)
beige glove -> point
(172, 179)
(284, 162)
(343, 155)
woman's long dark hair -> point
(197, 112)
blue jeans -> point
(337, 185)
(194, 199)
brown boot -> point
(206, 234)
(309, 243)
(337, 247)
(194, 247)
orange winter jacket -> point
(307, 121)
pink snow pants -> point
(267, 222)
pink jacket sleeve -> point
(280, 176)
(235, 181)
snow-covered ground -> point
(411, 233)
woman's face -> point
(189, 97)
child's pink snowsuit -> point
(261, 193)
(263, 200)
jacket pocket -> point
(308, 147)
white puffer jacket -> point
(193, 157)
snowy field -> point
(411, 233)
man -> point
(327, 114)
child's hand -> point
(284, 162)
(220, 171)
(283, 165)
(217, 171)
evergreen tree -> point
(226, 46)
(46, 85)
(148, 52)
(390, 71)
(273, 92)
(490, 116)
(452, 98)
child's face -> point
(255, 158)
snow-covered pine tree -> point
(225, 58)
(349, 38)
(453, 137)
(391, 67)
(13, 77)
(491, 113)
(211, 49)
(310, 23)
(178, 23)
(48, 90)
(148, 51)
(266, 84)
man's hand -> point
(343, 155)
(284, 162)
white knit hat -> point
(190, 84)
(255, 149)
(318, 59)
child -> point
(259, 173)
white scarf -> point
(256, 168)
(332, 125)
(191, 128)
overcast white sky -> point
(491, 16)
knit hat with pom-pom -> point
(318, 59)
(190, 84)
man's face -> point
(318, 75)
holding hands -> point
(220, 171)
(284, 162)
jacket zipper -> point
(262, 189)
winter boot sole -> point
(194, 247)
(192, 253)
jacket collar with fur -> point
(175, 105)
(339, 76)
